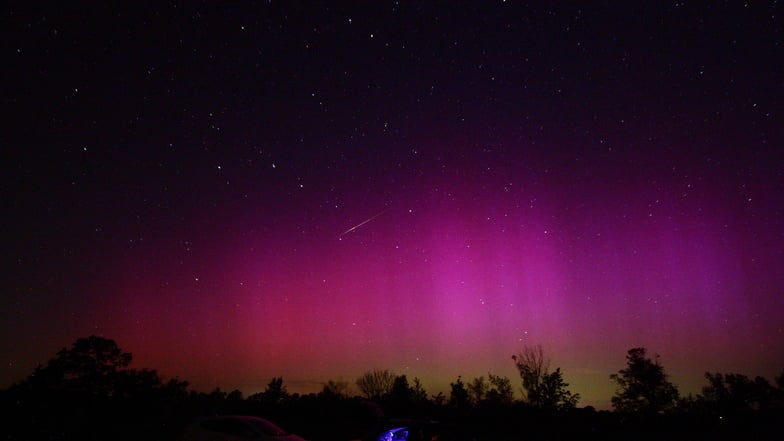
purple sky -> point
(235, 192)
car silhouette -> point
(236, 427)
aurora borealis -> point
(239, 191)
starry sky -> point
(240, 190)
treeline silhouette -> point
(89, 392)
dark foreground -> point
(67, 416)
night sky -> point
(235, 191)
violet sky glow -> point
(589, 178)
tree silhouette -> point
(477, 389)
(376, 384)
(458, 396)
(531, 365)
(729, 394)
(500, 390)
(274, 393)
(778, 392)
(335, 389)
(405, 399)
(217, 394)
(401, 391)
(495, 389)
(542, 388)
(438, 399)
(92, 365)
(175, 388)
(643, 387)
(136, 383)
(235, 395)
(418, 391)
(88, 391)
(553, 392)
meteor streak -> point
(362, 223)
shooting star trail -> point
(361, 223)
